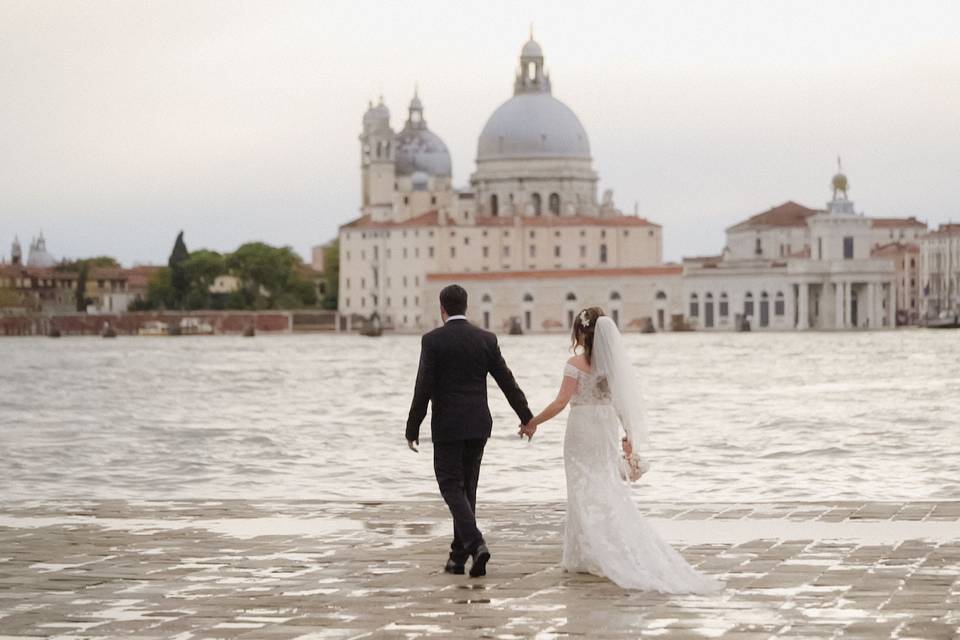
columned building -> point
(940, 272)
(793, 267)
(529, 223)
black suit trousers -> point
(457, 467)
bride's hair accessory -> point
(584, 319)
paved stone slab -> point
(281, 570)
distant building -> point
(39, 257)
(906, 262)
(529, 236)
(940, 271)
(793, 267)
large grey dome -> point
(532, 125)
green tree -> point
(160, 293)
(96, 262)
(271, 276)
(178, 275)
(201, 269)
(331, 272)
(80, 293)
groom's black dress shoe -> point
(480, 558)
(454, 567)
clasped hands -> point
(528, 430)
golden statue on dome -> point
(840, 183)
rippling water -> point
(734, 417)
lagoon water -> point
(734, 417)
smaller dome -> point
(419, 180)
(377, 115)
(531, 50)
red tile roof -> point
(427, 219)
(659, 270)
(565, 221)
(897, 222)
(431, 218)
(895, 248)
(788, 214)
(948, 229)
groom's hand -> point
(527, 430)
(413, 445)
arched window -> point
(724, 305)
(555, 204)
(494, 205)
(694, 305)
(709, 296)
(748, 304)
(661, 295)
(572, 296)
(536, 204)
(527, 297)
(615, 295)
(779, 304)
(486, 298)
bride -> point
(605, 534)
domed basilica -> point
(528, 239)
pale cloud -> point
(123, 122)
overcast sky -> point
(124, 122)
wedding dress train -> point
(605, 533)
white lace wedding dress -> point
(605, 534)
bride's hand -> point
(627, 447)
(527, 430)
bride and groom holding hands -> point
(604, 532)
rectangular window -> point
(724, 309)
(528, 320)
(453, 252)
(819, 248)
(430, 252)
(506, 252)
(779, 308)
(694, 309)
(758, 249)
(583, 251)
(533, 251)
(466, 240)
(848, 248)
(486, 319)
(486, 252)
(556, 251)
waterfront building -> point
(940, 271)
(529, 235)
(906, 264)
(793, 267)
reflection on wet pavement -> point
(232, 569)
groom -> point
(454, 362)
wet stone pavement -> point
(240, 569)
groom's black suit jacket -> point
(454, 362)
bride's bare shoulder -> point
(580, 362)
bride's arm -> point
(567, 387)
